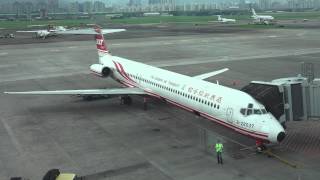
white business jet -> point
(265, 19)
(225, 20)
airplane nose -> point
(281, 136)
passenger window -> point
(249, 112)
(250, 106)
(243, 111)
(264, 111)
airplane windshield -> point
(250, 111)
(257, 111)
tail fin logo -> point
(100, 42)
(101, 46)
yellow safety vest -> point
(219, 147)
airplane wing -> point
(90, 31)
(116, 91)
(210, 74)
(28, 31)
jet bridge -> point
(269, 95)
(288, 99)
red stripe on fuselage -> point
(242, 131)
(124, 73)
(262, 136)
(119, 71)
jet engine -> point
(100, 70)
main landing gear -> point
(126, 100)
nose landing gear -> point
(260, 146)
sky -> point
(124, 2)
(180, 1)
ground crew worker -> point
(219, 148)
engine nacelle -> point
(100, 70)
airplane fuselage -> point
(229, 107)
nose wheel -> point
(260, 146)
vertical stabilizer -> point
(254, 12)
(219, 18)
(100, 42)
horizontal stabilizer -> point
(119, 91)
(89, 31)
(27, 31)
(210, 74)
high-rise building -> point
(87, 6)
(162, 5)
(161, 2)
(53, 5)
(302, 4)
(134, 3)
(99, 6)
(265, 4)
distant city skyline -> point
(118, 6)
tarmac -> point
(102, 139)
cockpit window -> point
(243, 111)
(249, 110)
(257, 111)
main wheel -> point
(127, 100)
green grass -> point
(163, 19)
(158, 19)
(25, 24)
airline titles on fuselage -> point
(192, 90)
(204, 94)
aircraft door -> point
(229, 115)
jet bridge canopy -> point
(288, 99)
(269, 95)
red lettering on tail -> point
(101, 46)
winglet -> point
(210, 74)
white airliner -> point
(47, 32)
(225, 20)
(62, 30)
(266, 19)
(231, 108)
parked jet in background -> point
(225, 20)
(231, 108)
(265, 19)
(50, 31)
(56, 30)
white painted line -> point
(55, 50)
(3, 54)
(115, 44)
(13, 138)
(72, 47)
(8, 65)
(273, 36)
(231, 58)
